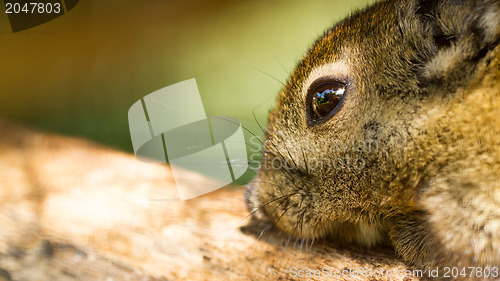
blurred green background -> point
(79, 74)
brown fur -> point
(422, 82)
(71, 210)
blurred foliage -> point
(79, 74)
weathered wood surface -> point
(73, 210)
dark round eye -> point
(324, 100)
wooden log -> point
(74, 210)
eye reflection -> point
(325, 99)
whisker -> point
(293, 161)
(269, 75)
(290, 178)
(257, 121)
(258, 239)
(244, 127)
(312, 243)
(284, 250)
(295, 244)
(290, 237)
(279, 62)
(305, 160)
(256, 210)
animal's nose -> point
(249, 194)
(252, 202)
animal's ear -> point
(463, 32)
(456, 21)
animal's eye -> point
(324, 100)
